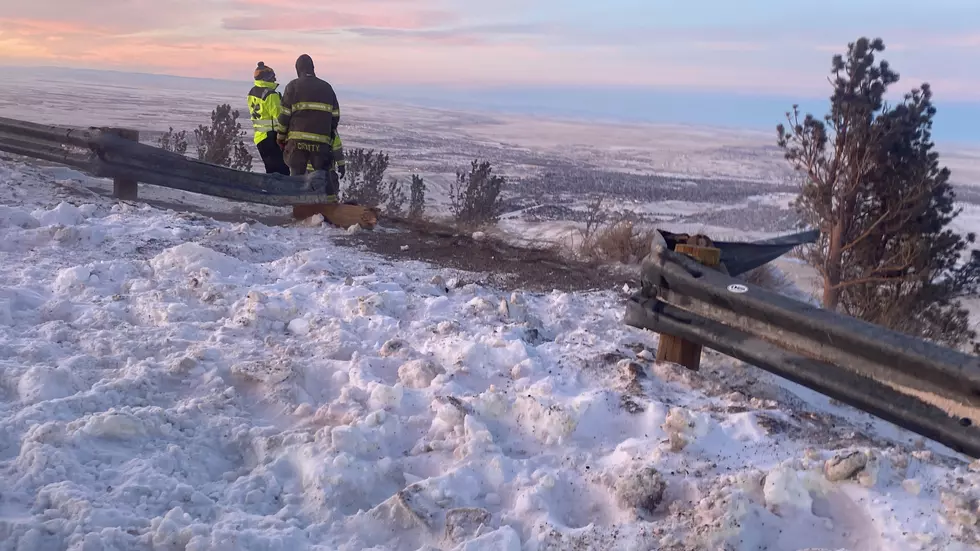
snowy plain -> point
(171, 382)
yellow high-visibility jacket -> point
(264, 107)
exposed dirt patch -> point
(506, 266)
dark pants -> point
(272, 156)
(298, 154)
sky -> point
(708, 48)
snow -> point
(170, 382)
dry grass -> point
(623, 242)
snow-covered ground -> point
(169, 382)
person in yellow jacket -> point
(264, 107)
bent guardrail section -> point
(102, 153)
(861, 364)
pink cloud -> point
(427, 41)
(315, 15)
(46, 27)
(325, 20)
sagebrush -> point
(475, 196)
(395, 198)
(366, 182)
(175, 142)
(624, 241)
(416, 208)
(223, 141)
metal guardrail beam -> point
(828, 336)
(828, 379)
(854, 361)
(104, 154)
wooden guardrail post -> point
(675, 349)
(125, 188)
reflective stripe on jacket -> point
(337, 154)
(310, 111)
(264, 107)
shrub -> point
(175, 142)
(394, 198)
(365, 177)
(621, 241)
(223, 142)
(475, 195)
(417, 206)
(594, 217)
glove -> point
(341, 171)
(281, 140)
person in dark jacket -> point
(308, 121)
(263, 107)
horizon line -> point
(373, 93)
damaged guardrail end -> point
(683, 300)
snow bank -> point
(183, 384)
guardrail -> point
(117, 154)
(864, 365)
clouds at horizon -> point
(713, 45)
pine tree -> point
(873, 185)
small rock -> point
(645, 355)
(392, 347)
(631, 371)
(736, 397)
(975, 466)
(900, 461)
(404, 247)
(438, 281)
(845, 465)
(868, 476)
(641, 489)
(453, 283)
(349, 281)
(447, 327)
(479, 236)
(923, 455)
(354, 229)
(465, 523)
(959, 509)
